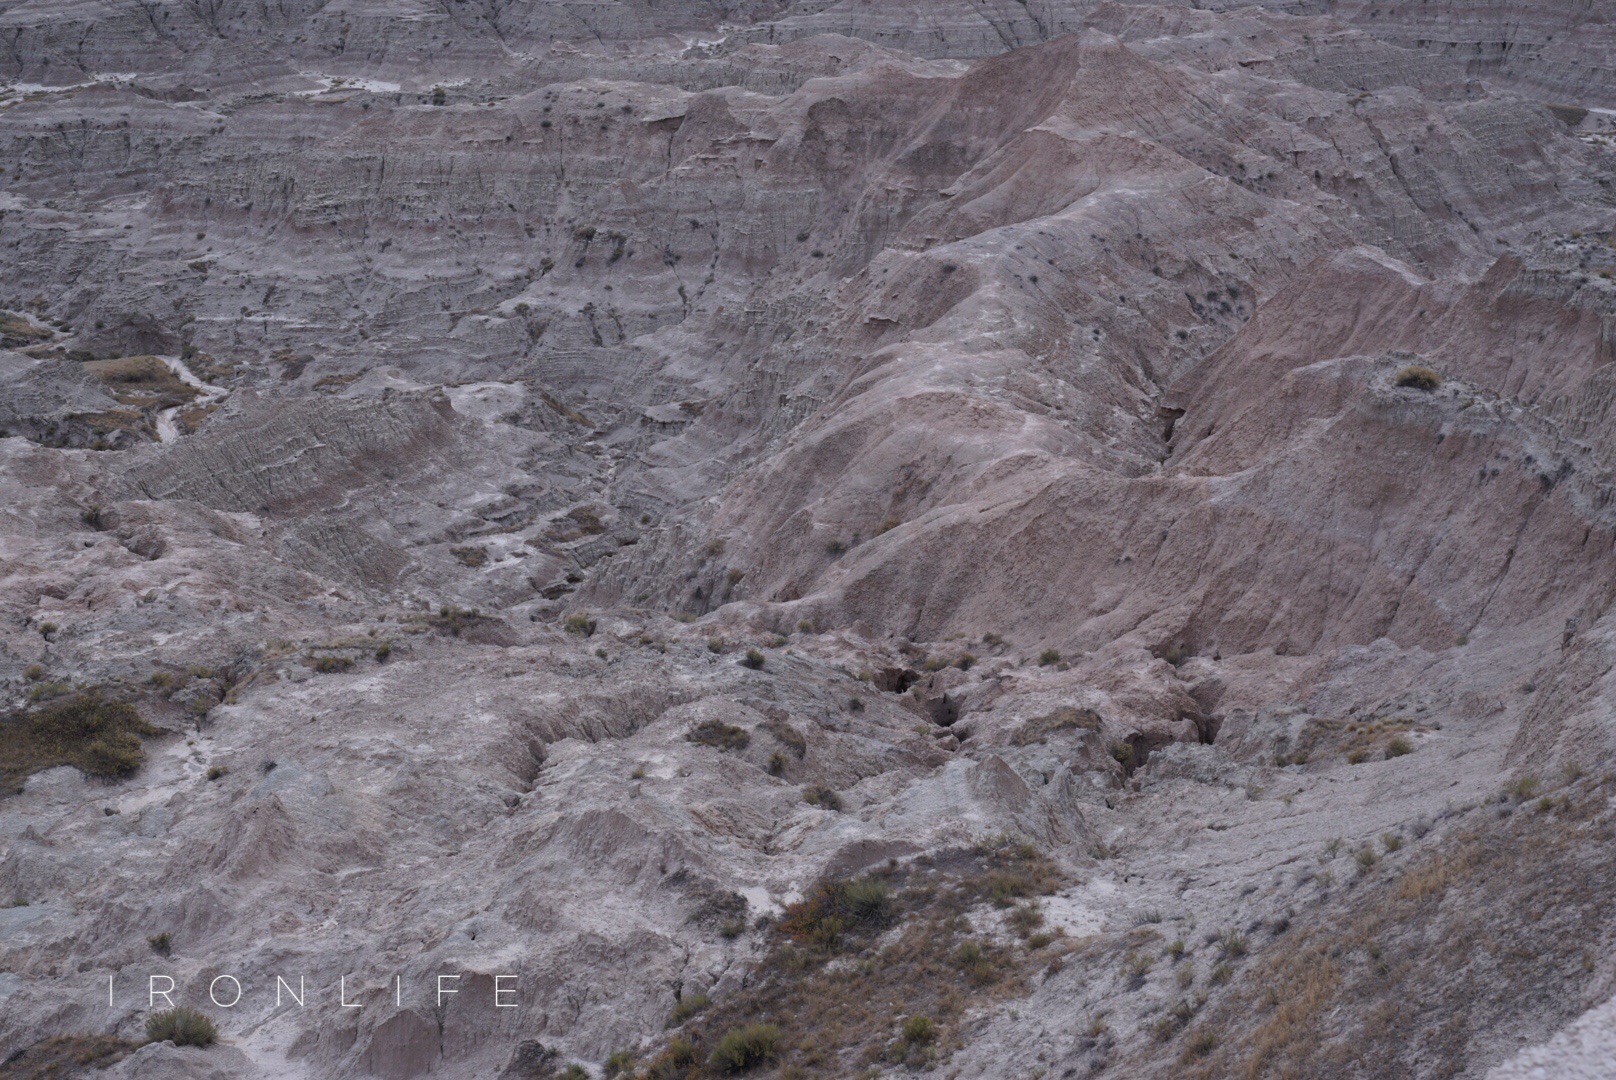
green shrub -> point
(582, 625)
(868, 900)
(1049, 656)
(1418, 377)
(715, 644)
(95, 736)
(161, 944)
(832, 908)
(620, 1061)
(914, 1041)
(753, 659)
(182, 1027)
(717, 733)
(216, 771)
(918, 1029)
(327, 665)
(739, 1049)
(47, 690)
(676, 1059)
(976, 962)
(1398, 746)
(686, 1007)
(1121, 751)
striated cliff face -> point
(564, 482)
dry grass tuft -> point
(182, 1027)
(142, 382)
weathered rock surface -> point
(1026, 385)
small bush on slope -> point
(96, 736)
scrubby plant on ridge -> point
(182, 1027)
(718, 734)
(740, 1049)
(1418, 377)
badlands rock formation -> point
(1086, 524)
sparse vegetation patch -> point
(99, 737)
(1404, 980)
(878, 968)
(719, 734)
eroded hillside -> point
(1038, 539)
